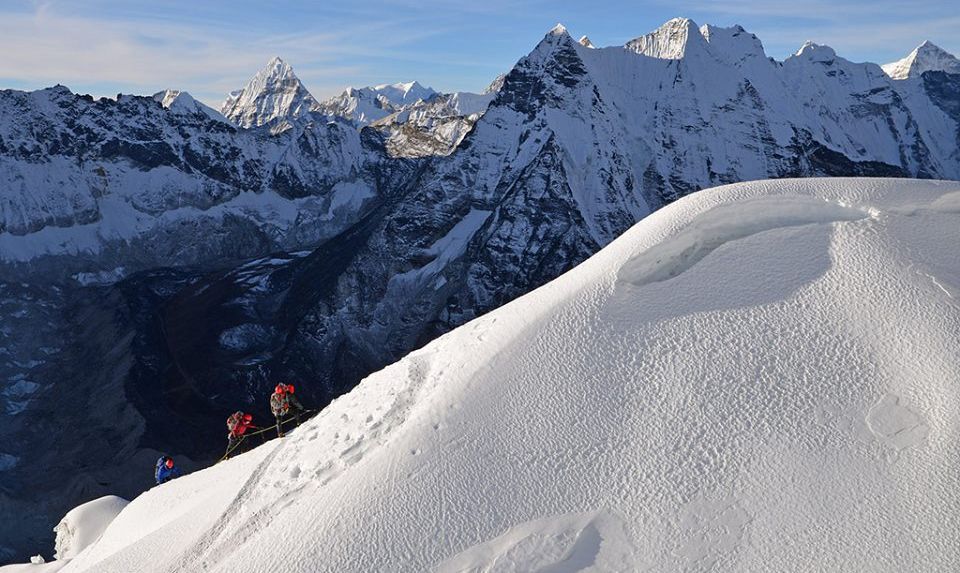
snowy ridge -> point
(709, 419)
(366, 105)
(85, 177)
(924, 58)
(182, 102)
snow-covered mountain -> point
(926, 57)
(180, 265)
(717, 389)
(100, 183)
(366, 105)
(416, 121)
(275, 97)
(434, 127)
(183, 103)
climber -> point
(281, 402)
(165, 470)
(237, 425)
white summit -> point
(275, 94)
(925, 57)
(369, 104)
(758, 377)
(181, 102)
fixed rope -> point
(230, 450)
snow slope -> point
(758, 377)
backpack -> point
(279, 404)
(160, 465)
(233, 421)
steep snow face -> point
(674, 40)
(718, 389)
(924, 58)
(273, 97)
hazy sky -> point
(212, 47)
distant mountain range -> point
(163, 263)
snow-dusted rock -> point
(435, 127)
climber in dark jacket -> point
(237, 425)
(282, 402)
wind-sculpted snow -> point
(83, 525)
(605, 422)
(729, 223)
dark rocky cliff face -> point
(160, 269)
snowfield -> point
(759, 377)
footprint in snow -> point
(896, 425)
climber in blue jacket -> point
(165, 470)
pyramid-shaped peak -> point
(558, 30)
(167, 97)
(928, 46)
(277, 68)
(924, 58)
(274, 93)
(585, 42)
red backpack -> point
(233, 421)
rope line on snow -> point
(261, 431)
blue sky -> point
(211, 47)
